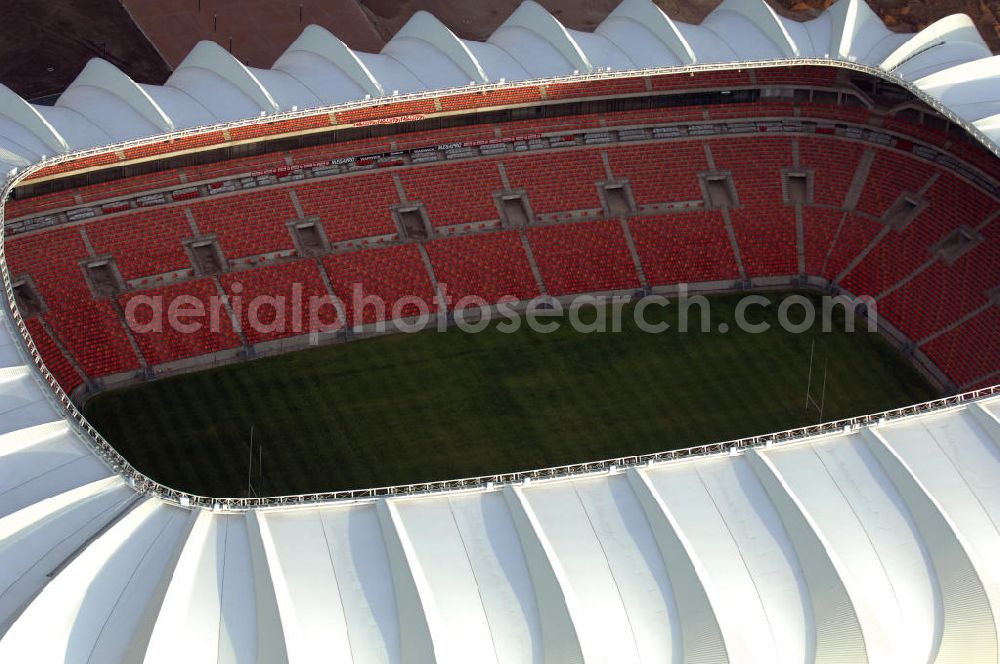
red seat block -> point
(90, 329)
(455, 193)
(248, 223)
(684, 248)
(351, 207)
(143, 242)
(180, 336)
(275, 301)
(395, 276)
(489, 266)
(560, 181)
(583, 257)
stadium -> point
(371, 485)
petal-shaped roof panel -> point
(328, 82)
(533, 17)
(211, 57)
(638, 43)
(286, 90)
(78, 131)
(967, 89)
(496, 63)
(392, 75)
(105, 76)
(111, 113)
(706, 45)
(27, 116)
(431, 66)
(183, 109)
(763, 17)
(222, 98)
(653, 19)
(940, 57)
(602, 52)
(743, 36)
(881, 49)
(22, 142)
(425, 27)
(820, 31)
(536, 55)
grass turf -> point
(417, 407)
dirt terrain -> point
(45, 44)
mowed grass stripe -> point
(418, 407)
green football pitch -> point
(438, 405)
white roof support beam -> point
(272, 630)
(22, 403)
(950, 31)
(986, 419)
(28, 516)
(651, 17)
(562, 640)
(167, 628)
(761, 15)
(974, 636)
(967, 89)
(421, 630)
(703, 639)
(289, 634)
(24, 114)
(532, 16)
(848, 18)
(53, 612)
(21, 439)
(847, 628)
(990, 125)
(317, 40)
(426, 27)
(105, 76)
(139, 643)
(41, 537)
(210, 56)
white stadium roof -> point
(877, 541)
(948, 60)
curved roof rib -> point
(534, 18)
(760, 14)
(318, 41)
(643, 14)
(422, 634)
(967, 89)
(701, 637)
(561, 622)
(848, 629)
(855, 29)
(427, 28)
(12, 106)
(105, 76)
(960, 582)
(211, 57)
(945, 43)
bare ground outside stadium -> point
(436, 405)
